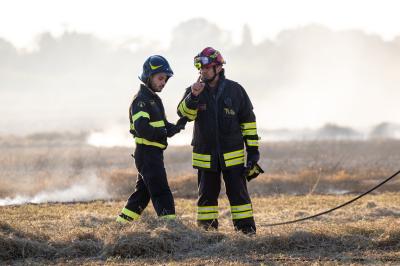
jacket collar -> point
(148, 92)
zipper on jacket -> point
(216, 97)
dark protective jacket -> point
(224, 122)
(147, 117)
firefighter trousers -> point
(209, 186)
(151, 184)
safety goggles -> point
(200, 61)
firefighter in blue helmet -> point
(224, 127)
(150, 129)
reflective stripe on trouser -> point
(201, 160)
(127, 215)
(151, 183)
(168, 217)
(207, 213)
(241, 211)
(209, 184)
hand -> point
(248, 168)
(252, 171)
(197, 87)
(173, 131)
(253, 157)
(181, 123)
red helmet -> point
(208, 57)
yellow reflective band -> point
(202, 209)
(201, 164)
(234, 154)
(234, 161)
(249, 132)
(130, 214)
(186, 111)
(191, 117)
(121, 220)
(137, 116)
(252, 142)
(251, 125)
(150, 143)
(241, 208)
(168, 217)
(207, 216)
(201, 157)
(157, 123)
(242, 215)
(140, 114)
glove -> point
(252, 157)
(173, 130)
(181, 123)
(252, 169)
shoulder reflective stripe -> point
(234, 154)
(168, 217)
(251, 125)
(234, 161)
(150, 143)
(201, 164)
(240, 208)
(249, 132)
(202, 209)
(242, 215)
(130, 213)
(140, 114)
(202, 157)
(252, 142)
(185, 111)
(207, 216)
(157, 123)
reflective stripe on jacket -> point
(147, 119)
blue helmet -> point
(153, 65)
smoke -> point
(111, 137)
(90, 188)
(118, 136)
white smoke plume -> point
(90, 188)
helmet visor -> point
(200, 61)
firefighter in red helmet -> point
(224, 137)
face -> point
(158, 81)
(207, 72)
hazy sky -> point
(312, 62)
(117, 20)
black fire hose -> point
(337, 207)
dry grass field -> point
(302, 178)
(85, 233)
